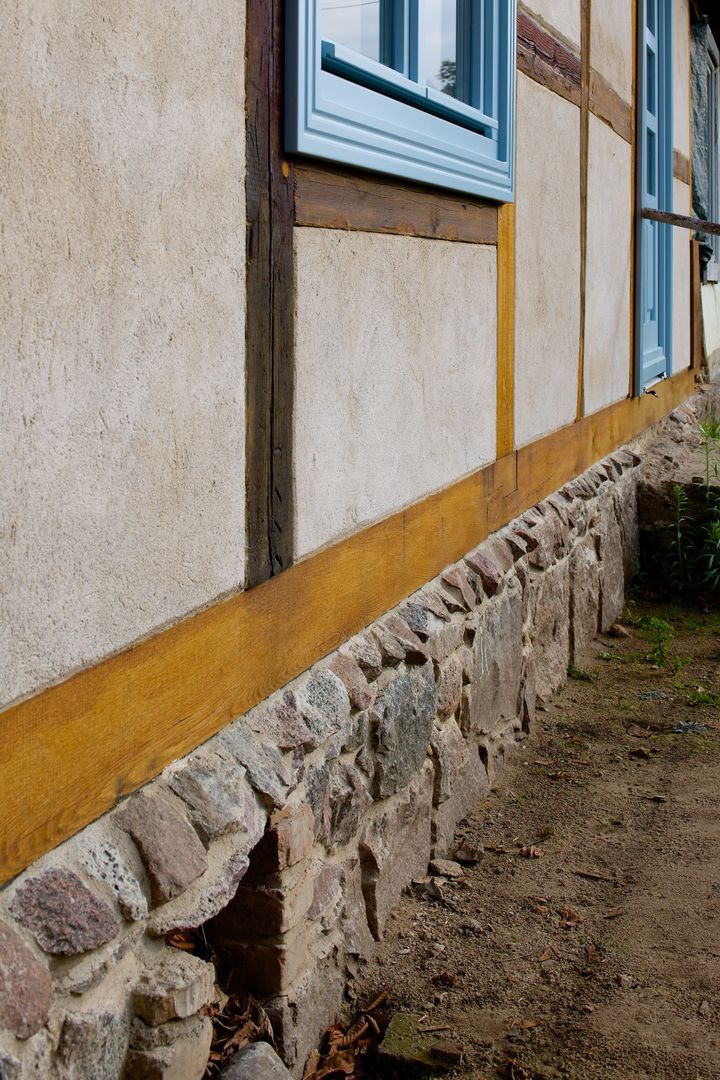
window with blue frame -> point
(422, 89)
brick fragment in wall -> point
(62, 914)
(323, 703)
(281, 724)
(217, 794)
(25, 986)
(610, 551)
(266, 912)
(93, 1045)
(307, 1007)
(432, 601)
(349, 799)
(176, 987)
(585, 581)
(175, 1051)
(327, 890)
(449, 685)
(487, 570)
(171, 850)
(494, 682)
(550, 628)
(107, 862)
(287, 840)
(414, 650)
(403, 715)
(366, 651)
(349, 672)
(264, 766)
(269, 967)
(395, 848)
(456, 578)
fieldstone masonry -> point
(291, 834)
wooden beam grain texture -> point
(585, 13)
(505, 411)
(70, 752)
(269, 334)
(607, 105)
(335, 198)
(548, 61)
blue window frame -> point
(423, 89)
(654, 179)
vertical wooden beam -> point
(269, 333)
(506, 330)
(633, 199)
(585, 14)
(697, 347)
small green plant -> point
(579, 674)
(703, 697)
(659, 633)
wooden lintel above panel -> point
(331, 197)
(607, 105)
(546, 60)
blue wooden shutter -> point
(654, 278)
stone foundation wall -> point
(290, 835)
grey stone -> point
(550, 629)
(107, 863)
(447, 868)
(551, 536)
(498, 663)
(324, 703)
(357, 938)
(416, 617)
(181, 1052)
(10, 1067)
(451, 753)
(415, 650)
(469, 787)
(171, 850)
(584, 597)
(25, 986)
(93, 1045)
(305, 1010)
(487, 570)
(610, 550)
(177, 987)
(449, 685)
(262, 762)
(62, 914)
(356, 733)
(445, 637)
(282, 725)
(205, 897)
(349, 801)
(255, 1062)
(327, 890)
(317, 789)
(217, 794)
(403, 713)
(625, 497)
(391, 650)
(395, 848)
(350, 674)
(432, 601)
(366, 651)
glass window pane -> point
(439, 34)
(354, 23)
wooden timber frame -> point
(71, 751)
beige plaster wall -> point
(612, 44)
(560, 16)
(681, 76)
(681, 281)
(121, 322)
(710, 295)
(547, 305)
(607, 290)
(396, 372)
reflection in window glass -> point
(440, 47)
(354, 23)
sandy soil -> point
(535, 967)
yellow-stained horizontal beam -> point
(71, 751)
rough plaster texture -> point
(122, 324)
(681, 77)
(395, 376)
(560, 16)
(547, 308)
(681, 281)
(711, 318)
(612, 44)
(607, 291)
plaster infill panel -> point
(122, 320)
(606, 366)
(681, 77)
(681, 281)
(395, 374)
(547, 303)
(560, 17)
(612, 44)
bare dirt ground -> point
(599, 955)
